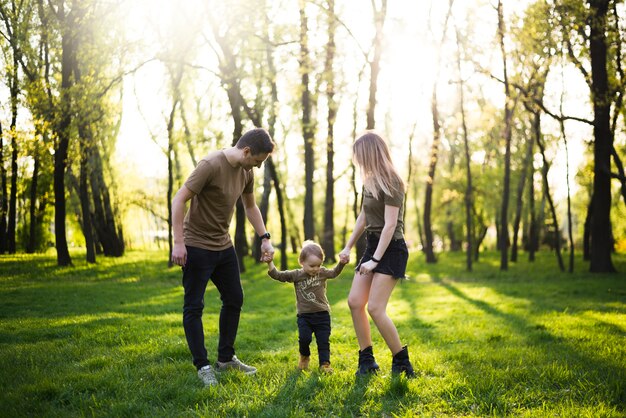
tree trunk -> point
(428, 197)
(508, 115)
(519, 201)
(170, 179)
(328, 241)
(228, 76)
(63, 139)
(379, 22)
(533, 238)
(479, 240)
(587, 231)
(555, 222)
(109, 235)
(83, 193)
(468, 187)
(569, 198)
(601, 261)
(281, 212)
(434, 153)
(4, 204)
(14, 89)
(621, 176)
(32, 210)
(307, 127)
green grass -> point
(107, 340)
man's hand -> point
(179, 254)
(267, 251)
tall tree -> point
(468, 170)
(270, 173)
(308, 131)
(67, 19)
(508, 116)
(376, 50)
(4, 204)
(16, 19)
(524, 173)
(229, 74)
(546, 191)
(601, 246)
(434, 149)
(380, 15)
(328, 241)
(570, 234)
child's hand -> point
(266, 257)
(344, 256)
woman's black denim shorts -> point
(393, 262)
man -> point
(203, 247)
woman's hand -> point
(367, 267)
(344, 255)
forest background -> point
(506, 120)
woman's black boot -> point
(367, 363)
(402, 364)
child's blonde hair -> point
(311, 248)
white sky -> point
(405, 82)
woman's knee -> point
(376, 310)
(356, 303)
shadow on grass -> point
(562, 364)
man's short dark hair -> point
(258, 140)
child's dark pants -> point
(317, 323)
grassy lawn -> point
(107, 340)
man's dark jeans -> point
(222, 268)
(318, 323)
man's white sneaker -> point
(235, 364)
(207, 375)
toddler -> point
(311, 301)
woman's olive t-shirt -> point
(217, 185)
(375, 210)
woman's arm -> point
(386, 235)
(359, 227)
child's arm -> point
(281, 276)
(331, 274)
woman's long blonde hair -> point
(371, 154)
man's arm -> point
(254, 216)
(179, 252)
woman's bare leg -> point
(357, 300)
(379, 292)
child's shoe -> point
(303, 364)
(325, 368)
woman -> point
(385, 258)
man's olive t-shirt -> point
(375, 210)
(217, 185)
